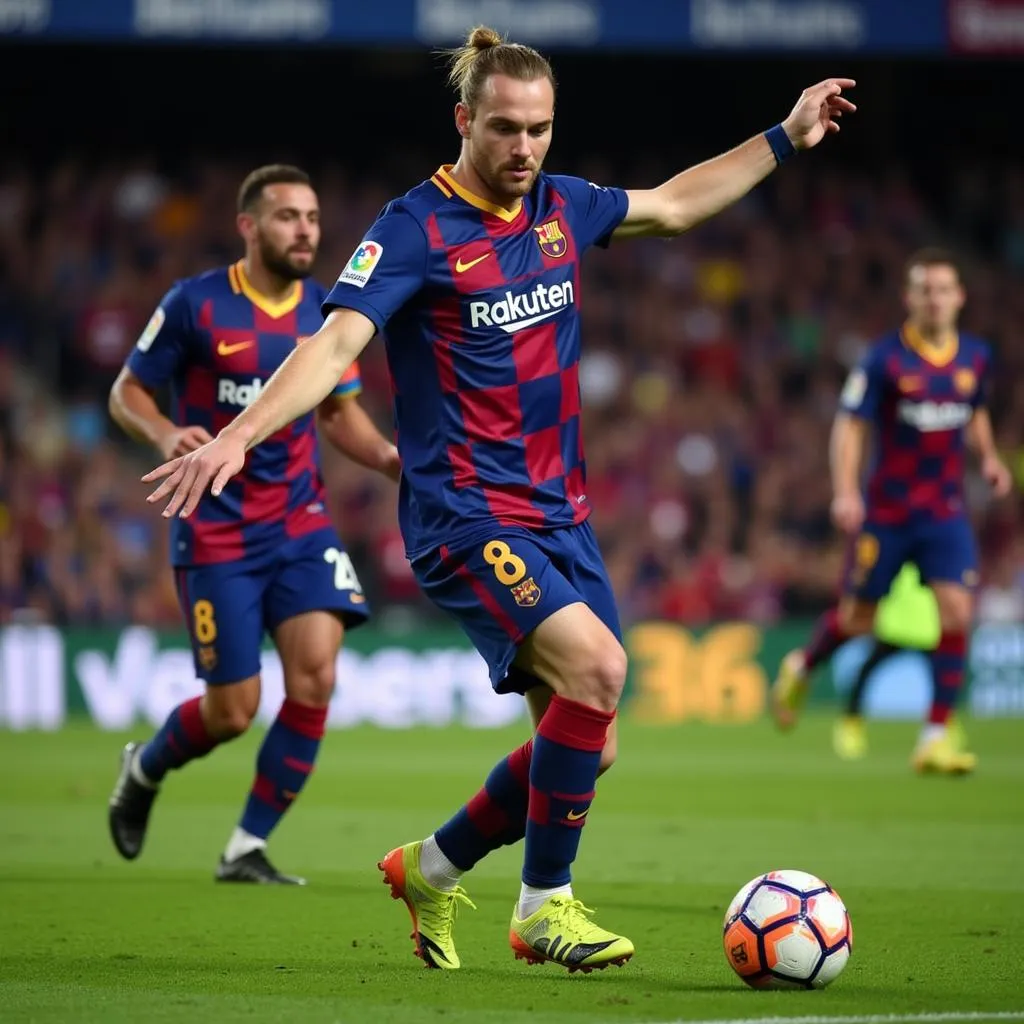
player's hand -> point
(183, 440)
(848, 513)
(818, 111)
(997, 476)
(187, 478)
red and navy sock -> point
(563, 772)
(182, 738)
(283, 765)
(947, 662)
(826, 639)
(495, 817)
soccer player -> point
(907, 620)
(262, 554)
(922, 391)
(473, 279)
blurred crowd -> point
(712, 369)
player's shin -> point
(827, 638)
(947, 662)
(283, 764)
(494, 817)
(563, 772)
(182, 738)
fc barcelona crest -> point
(965, 381)
(527, 593)
(551, 240)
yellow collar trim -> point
(937, 355)
(275, 310)
(447, 184)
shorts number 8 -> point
(509, 569)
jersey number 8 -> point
(509, 569)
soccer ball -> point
(787, 929)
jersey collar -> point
(938, 355)
(275, 310)
(449, 186)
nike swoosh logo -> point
(226, 349)
(461, 268)
(573, 816)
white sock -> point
(436, 868)
(136, 772)
(241, 843)
(931, 732)
(530, 898)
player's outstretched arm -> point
(981, 438)
(704, 190)
(345, 423)
(846, 455)
(299, 385)
(134, 409)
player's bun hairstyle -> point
(933, 256)
(251, 190)
(484, 54)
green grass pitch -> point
(932, 871)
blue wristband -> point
(780, 143)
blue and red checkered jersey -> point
(480, 311)
(214, 340)
(919, 399)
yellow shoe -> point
(560, 932)
(941, 756)
(432, 910)
(850, 738)
(956, 733)
(789, 691)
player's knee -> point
(856, 618)
(609, 754)
(227, 722)
(956, 612)
(600, 676)
(312, 684)
(228, 711)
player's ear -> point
(462, 119)
(245, 222)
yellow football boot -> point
(561, 932)
(432, 910)
(941, 756)
(789, 691)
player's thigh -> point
(314, 573)
(537, 701)
(579, 652)
(873, 560)
(581, 557)
(308, 644)
(499, 590)
(221, 607)
(577, 655)
(947, 556)
(946, 551)
(313, 596)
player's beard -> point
(289, 265)
(502, 184)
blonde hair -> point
(485, 53)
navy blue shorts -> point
(501, 589)
(944, 550)
(228, 606)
